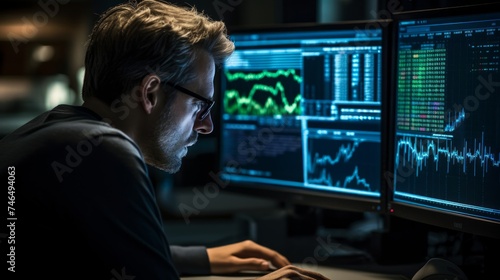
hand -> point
(245, 255)
(293, 272)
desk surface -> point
(330, 272)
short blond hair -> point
(132, 40)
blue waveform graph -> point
(418, 152)
(464, 171)
(352, 165)
(345, 153)
(326, 179)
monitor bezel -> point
(427, 215)
(302, 196)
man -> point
(86, 208)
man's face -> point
(178, 126)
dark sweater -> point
(85, 207)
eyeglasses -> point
(208, 104)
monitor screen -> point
(301, 113)
(446, 118)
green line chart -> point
(263, 93)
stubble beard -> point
(163, 152)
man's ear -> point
(150, 88)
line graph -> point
(465, 170)
(264, 74)
(326, 179)
(455, 121)
(343, 163)
(418, 152)
(263, 93)
(345, 152)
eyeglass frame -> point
(208, 103)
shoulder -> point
(65, 126)
(100, 136)
(101, 150)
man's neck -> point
(120, 118)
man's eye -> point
(199, 106)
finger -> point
(252, 249)
(292, 272)
(279, 260)
(309, 273)
(251, 264)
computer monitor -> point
(301, 112)
(446, 125)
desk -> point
(330, 272)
